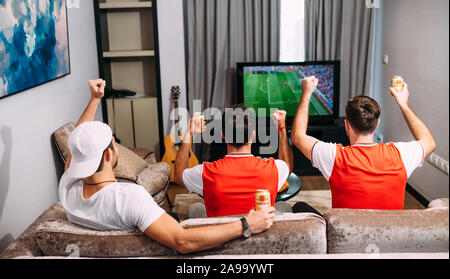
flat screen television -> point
(278, 85)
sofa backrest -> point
(386, 231)
(290, 234)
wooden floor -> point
(308, 183)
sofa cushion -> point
(290, 234)
(146, 154)
(155, 178)
(61, 137)
(386, 231)
(129, 164)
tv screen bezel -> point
(313, 119)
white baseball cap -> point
(87, 143)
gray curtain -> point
(342, 30)
(222, 33)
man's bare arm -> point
(299, 137)
(182, 158)
(97, 88)
(284, 149)
(419, 130)
(168, 232)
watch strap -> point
(246, 229)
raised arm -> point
(284, 149)
(168, 232)
(182, 158)
(419, 130)
(299, 137)
(97, 88)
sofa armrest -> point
(291, 233)
(439, 203)
(387, 231)
(26, 244)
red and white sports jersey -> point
(368, 176)
(229, 185)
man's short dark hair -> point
(363, 113)
(242, 121)
(100, 167)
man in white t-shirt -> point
(94, 199)
(364, 175)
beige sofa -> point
(341, 233)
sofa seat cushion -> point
(290, 234)
(386, 231)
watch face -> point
(247, 233)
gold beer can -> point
(262, 199)
(199, 122)
(397, 83)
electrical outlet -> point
(439, 163)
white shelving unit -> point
(128, 55)
(126, 5)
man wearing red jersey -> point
(364, 175)
(228, 185)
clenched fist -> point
(97, 88)
(279, 118)
(309, 84)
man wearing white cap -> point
(93, 198)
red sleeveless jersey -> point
(230, 184)
(368, 177)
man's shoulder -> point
(127, 188)
(66, 181)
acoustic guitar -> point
(171, 146)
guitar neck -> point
(175, 105)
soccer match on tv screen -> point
(280, 87)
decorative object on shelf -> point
(34, 47)
(121, 93)
(170, 143)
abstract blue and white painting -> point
(34, 44)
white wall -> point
(28, 174)
(172, 54)
(415, 35)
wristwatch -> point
(247, 231)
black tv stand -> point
(331, 132)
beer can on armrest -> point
(262, 199)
